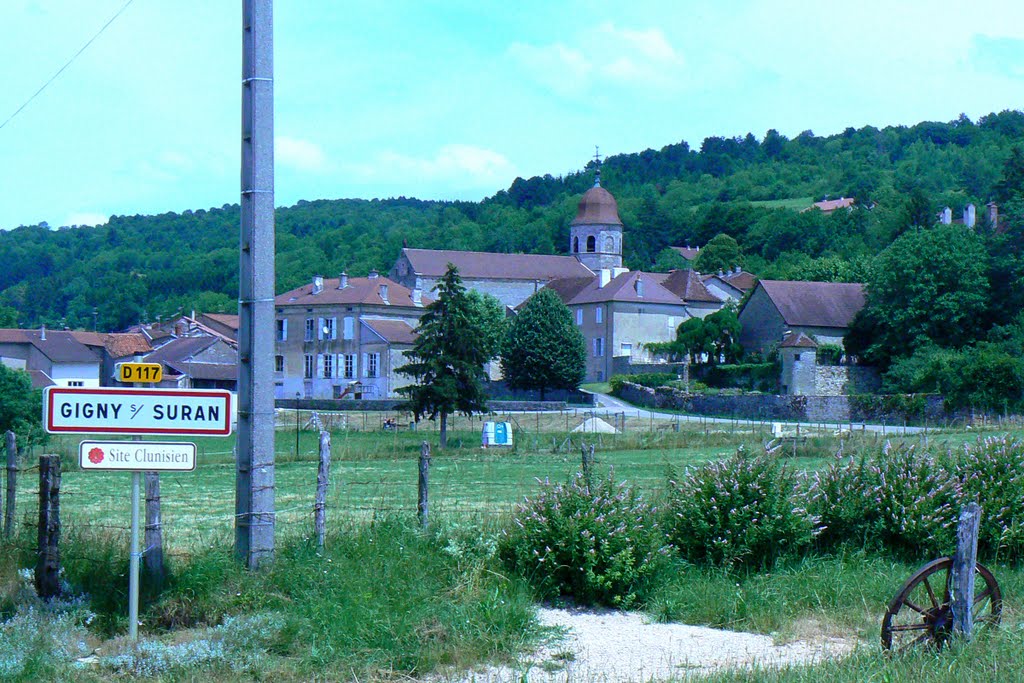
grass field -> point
(796, 203)
(360, 610)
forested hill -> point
(140, 267)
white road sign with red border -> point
(76, 410)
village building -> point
(344, 337)
(730, 285)
(69, 358)
(823, 311)
(197, 362)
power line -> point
(67, 64)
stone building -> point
(821, 310)
(343, 337)
(798, 355)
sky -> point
(455, 99)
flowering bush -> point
(599, 546)
(837, 498)
(737, 512)
(991, 473)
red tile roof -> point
(225, 319)
(815, 304)
(830, 205)
(360, 290)
(799, 341)
(597, 207)
(688, 253)
(624, 288)
(742, 280)
(393, 331)
(482, 265)
(61, 346)
(10, 335)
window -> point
(310, 329)
(76, 383)
(579, 316)
(627, 349)
(796, 356)
(350, 365)
(372, 363)
(575, 245)
(278, 363)
(282, 330)
(598, 347)
(308, 371)
(599, 315)
(327, 328)
(328, 366)
(349, 330)
(591, 245)
(671, 322)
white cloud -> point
(301, 155)
(633, 58)
(86, 219)
(456, 164)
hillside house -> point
(730, 285)
(822, 311)
(344, 337)
(51, 357)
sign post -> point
(136, 412)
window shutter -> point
(284, 329)
(365, 365)
(319, 365)
(334, 328)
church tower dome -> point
(595, 235)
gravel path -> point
(613, 647)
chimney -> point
(970, 217)
(343, 280)
(720, 273)
(318, 284)
(638, 284)
(374, 274)
(947, 216)
(384, 293)
(993, 215)
(604, 277)
(42, 333)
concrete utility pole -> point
(254, 479)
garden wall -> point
(392, 405)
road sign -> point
(74, 410)
(140, 372)
(137, 456)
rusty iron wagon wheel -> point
(921, 613)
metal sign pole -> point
(133, 578)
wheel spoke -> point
(910, 627)
(931, 593)
(916, 641)
(984, 594)
(909, 603)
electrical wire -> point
(67, 64)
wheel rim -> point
(921, 613)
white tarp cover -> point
(595, 425)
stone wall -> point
(392, 405)
(877, 409)
(842, 380)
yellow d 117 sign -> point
(139, 372)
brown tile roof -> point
(119, 345)
(597, 207)
(829, 205)
(214, 371)
(480, 264)
(566, 288)
(89, 338)
(741, 280)
(815, 304)
(360, 290)
(799, 341)
(687, 285)
(181, 349)
(688, 253)
(393, 331)
(225, 319)
(624, 288)
(61, 347)
(10, 335)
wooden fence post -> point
(964, 560)
(48, 562)
(12, 482)
(423, 483)
(323, 473)
(153, 542)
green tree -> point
(8, 316)
(929, 286)
(20, 406)
(447, 359)
(493, 323)
(721, 253)
(722, 332)
(669, 259)
(545, 350)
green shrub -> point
(747, 376)
(600, 546)
(737, 512)
(829, 354)
(836, 497)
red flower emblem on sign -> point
(96, 456)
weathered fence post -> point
(588, 462)
(153, 555)
(12, 482)
(423, 482)
(323, 473)
(964, 560)
(48, 562)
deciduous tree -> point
(545, 350)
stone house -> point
(731, 285)
(51, 357)
(822, 311)
(198, 362)
(344, 337)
